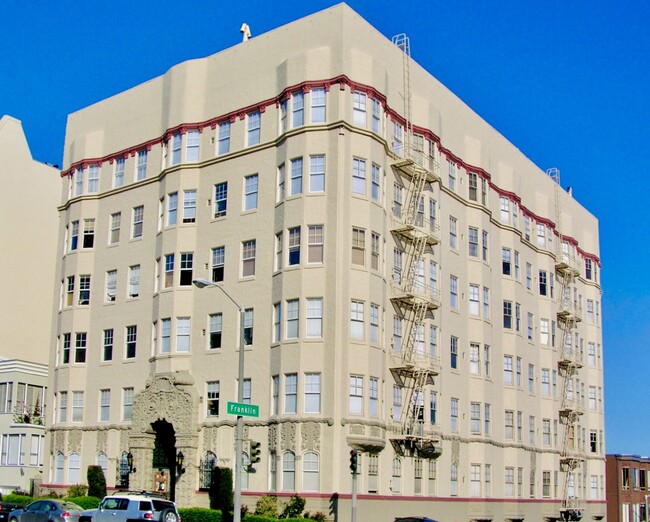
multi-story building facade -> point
(413, 287)
(628, 488)
(28, 202)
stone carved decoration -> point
(288, 436)
(210, 439)
(166, 397)
(273, 437)
(245, 431)
(455, 451)
(375, 431)
(310, 435)
(74, 441)
(59, 442)
(124, 440)
(357, 429)
(102, 437)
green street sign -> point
(243, 410)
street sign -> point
(243, 410)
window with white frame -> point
(294, 246)
(291, 393)
(275, 394)
(453, 292)
(77, 406)
(375, 245)
(358, 246)
(505, 209)
(318, 105)
(104, 405)
(315, 243)
(89, 233)
(213, 389)
(131, 341)
(357, 319)
(359, 108)
(475, 480)
(312, 393)
(474, 358)
(254, 120)
(107, 348)
(223, 138)
(215, 330)
(475, 417)
(192, 145)
(310, 471)
(187, 264)
(507, 370)
(317, 173)
(474, 304)
(114, 235)
(358, 176)
(248, 258)
(84, 290)
(397, 403)
(220, 199)
(93, 178)
(396, 479)
(293, 319)
(314, 317)
(452, 232)
(295, 186)
(451, 175)
(183, 334)
(138, 221)
(297, 109)
(473, 241)
(189, 206)
(134, 281)
(356, 395)
(127, 403)
(118, 173)
(288, 471)
(454, 415)
(141, 165)
(376, 115)
(250, 192)
(375, 182)
(218, 263)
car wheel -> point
(13, 519)
(168, 516)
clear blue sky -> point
(567, 82)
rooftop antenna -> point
(246, 32)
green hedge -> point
(199, 515)
(12, 498)
(85, 502)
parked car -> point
(47, 511)
(6, 508)
(130, 507)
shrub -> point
(96, 482)
(221, 494)
(15, 498)
(77, 490)
(199, 515)
(319, 516)
(259, 518)
(267, 506)
(85, 502)
(294, 508)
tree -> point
(96, 482)
(221, 492)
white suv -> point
(129, 507)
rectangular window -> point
(172, 208)
(248, 258)
(250, 192)
(509, 424)
(63, 406)
(89, 233)
(529, 326)
(454, 415)
(518, 317)
(131, 341)
(275, 394)
(474, 358)
(356, 319)
(248, 326)
(453, 292)
(315, 317)
(277, 322)
(358, 176)
(375, 243)
(543, 288)
(546, 384)
(77, 406)
(93, 178)
(69, 291)
(294, 246)
(254, 127)
(359, 108)
(376, 116)
(192, 145)
(315, 244)
(218, 263)
(474, 303)
(138, 221)
(189, 206)
(118, 175)
(507, 314)
(452, 232)
(127, 403)
(293, 319)
(506, 262)
(290, 393)
(356, 395)
(505, 210)
(74, 236)
(298, 108)
(134, 281)
(216, 325)
(358, 246)
(318, 107)
(183, 334)
(169, 270)
(484, 245)
(588, 269)
(176, 148)
(473, 241)
(116, 220)
(141, 165)
(295, 186)
(312, 393)
(507, 370)
(80, 347)
(375, 182)
(247, 392)
(317, 173)
(453, 350)
(531, 378)
(541, 235)
(165, 335)
(223, 138)
(187, 263)
(104, 405)
(451, 174)
(546, 432)
(220, 199)
(213, 389)
(84, 290)
(473, 186)
(107, 353)
(475, 417)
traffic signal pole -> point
(354, 466)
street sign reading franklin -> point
(245, 410)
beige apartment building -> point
(414, 288)
(28, 201)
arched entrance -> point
(165, 424)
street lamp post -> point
(239, 432)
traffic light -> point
(254, 454)
(354, 461)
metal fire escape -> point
(567, 269)
(412, 367)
